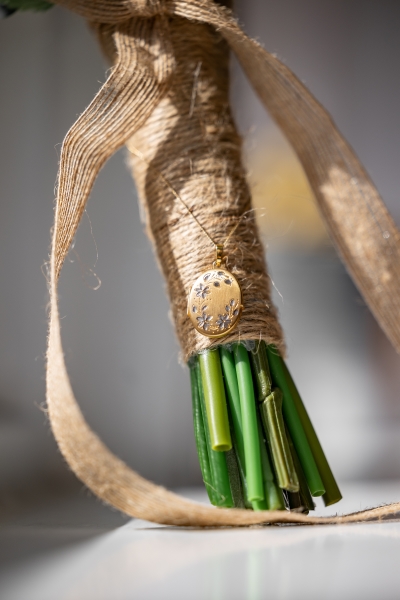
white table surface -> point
(80, 550)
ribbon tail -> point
(121, 106)
(357, 219)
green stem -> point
(273, 493)
(218, 467)
(242, 473)
(271, 412)
(262, 374)
(235, 415)
(199, 434)
(332, 491)
(214, 393)
(259, 504)
(234, 479)
(232, 393)
(262, 377)
(294, 424)
(255, 488)
(295, 502)
(305, 495)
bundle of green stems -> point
(256, 445)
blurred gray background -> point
(120, 347)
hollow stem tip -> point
(221, 494)
(214, 395)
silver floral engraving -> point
(224, 322)
(204, 321)
(202, 291)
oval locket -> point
(215, 302)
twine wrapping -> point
(167, 95)
(191, 139)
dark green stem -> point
(294, 424)
(306, 499)
(199, 434)
(235, 479)
(332, 491)
(261, 371)
(242, 472)
(273, 493)
(271, 412)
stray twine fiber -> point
(167, 95)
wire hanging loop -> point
(219, 251)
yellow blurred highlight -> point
(285, 207)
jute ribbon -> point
(154, 46)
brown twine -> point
(167, 95)
(190, 138)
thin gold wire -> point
(139, 154)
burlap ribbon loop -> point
(146, 43)
(116, 11)
(137, 82)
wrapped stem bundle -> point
(261, 435)
(194, 194)
(167, 95)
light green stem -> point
(214, 394)
(218, 467)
